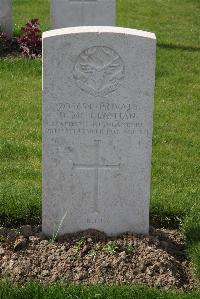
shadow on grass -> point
(12, 221)
(193, 234)
(179, 47)
(165, 220)
(190, 224)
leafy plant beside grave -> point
(28, 44)
(7, 44)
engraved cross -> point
(95, 167)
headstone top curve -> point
(98, 29)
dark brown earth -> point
(91, 257)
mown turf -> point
(20, 142)
(64, 291)
(176, 151)
(25, 10)
(175, 22)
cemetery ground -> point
(175, 163)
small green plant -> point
(97, 247)
(80, 243)
(92, 252)
(130, 248)
(52, 240)
(110, 247)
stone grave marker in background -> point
(6, 16)
(98, 90)
(69, 13)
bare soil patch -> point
(91, 257)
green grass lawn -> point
(176, 151)
(25, 10)
(64, 291)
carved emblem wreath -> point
(99, 71)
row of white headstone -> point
(68, 13)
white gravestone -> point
(68, 13)
(98, 90)
(6, 16)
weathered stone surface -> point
(98, 86)
(6, 16)
(69, 13)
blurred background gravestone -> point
(69, 13)
(6, 16)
